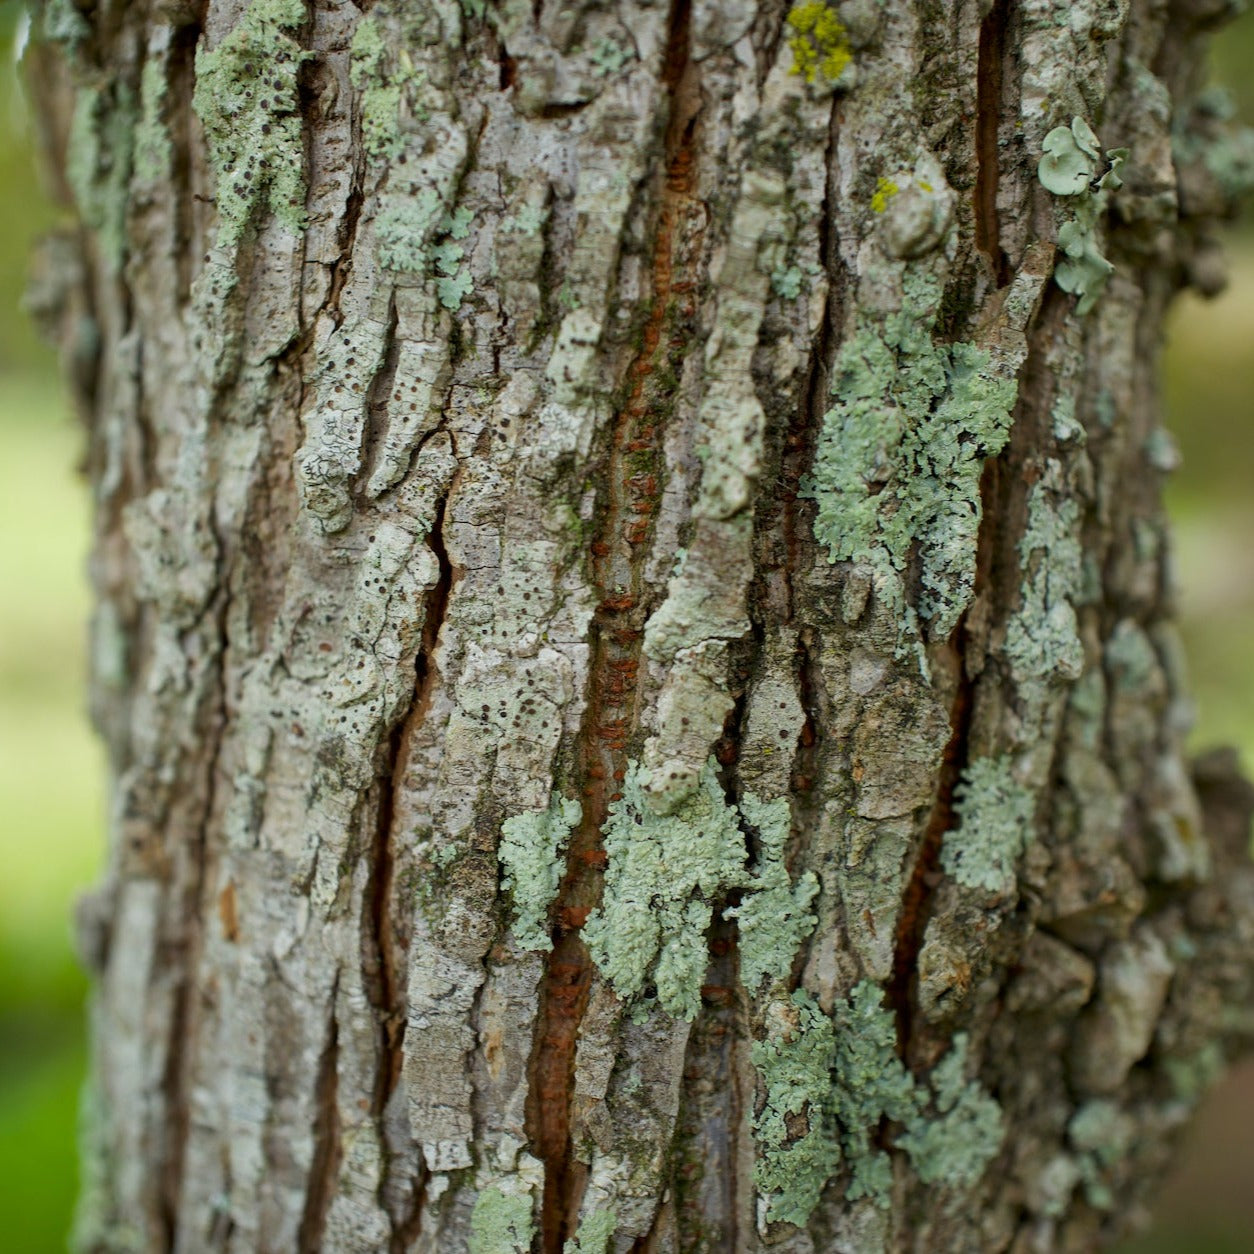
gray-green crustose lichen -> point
(530, 854)
(995, 816)
(663, 874)
(898, 463)
(1069, 168)
(794, 1061)
(248, 102)
(500, 1223)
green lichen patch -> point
(787, 281)
(1101, 1133)
(383, 79)
(1042, 639)
(818, 41)
(663, 875)
(247, 99)
(530, 855)
(869, 1083)
(1069, 168)
(594, 1234)
(608, 57)
(64, 24)
(953, 1147)
(950, 1134)
(1069, 160)
(500, 1223)
(98, 163)
(417, 236)
(152, 139)
(995, 816)
(774, 914)
(794, 1061)
(899, 458)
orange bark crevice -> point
(627, 514)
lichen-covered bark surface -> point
(633, 620)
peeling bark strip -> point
(632, 622)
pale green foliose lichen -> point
(898, 463)
(1102, 1134)
(594, 1234)
(1225, 149)
(417, 236)
(844, 1074)
(774, 914)
(786, 282)
(63, 23)
(1069, 167)
(98, 163)
(869, 1083)
(663, 874)
(530, 854)
(500, 1223)
(995, 816)
(247, 98)
(608, 57)
(1193, 1075)
(950, 1148)
(794, 1060)
(955, 1146)
(152, 139)
(1042, 638)
(382, 89)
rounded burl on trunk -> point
(633, 620)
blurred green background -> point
(51, 788)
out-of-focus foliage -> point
(51, 785)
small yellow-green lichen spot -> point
(819, 42)
(885, 190)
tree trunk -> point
(633, 621)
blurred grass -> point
(51, 802)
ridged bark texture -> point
(633, 623)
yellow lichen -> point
(885, 190)
(819, 42)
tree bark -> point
(633, 623)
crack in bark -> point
(178, 1062)
(325, 1164)
(925, 874)
(993, 50)
(383, 961)
(616, 637)
(409, 1228)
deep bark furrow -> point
(325, 1165)
(183, 1019)
(633, 489)
(994, 31)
